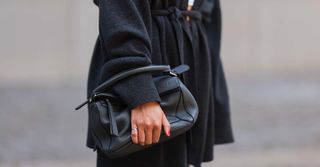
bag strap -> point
(122, 75)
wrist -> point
(148, 104)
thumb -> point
(166, 124)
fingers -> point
(141, 136)
(149, 132)
(156, 134)
(166, 125)
(148, 118)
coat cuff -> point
(137, 89)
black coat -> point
(133, 34)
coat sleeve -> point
(124, 30)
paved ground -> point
(276, 124)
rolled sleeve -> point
(124, 30)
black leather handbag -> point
(109, 117)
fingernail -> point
(168, 132)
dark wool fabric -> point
(131, 36)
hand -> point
(148, 118)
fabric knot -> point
(178, 21)
(175, 13)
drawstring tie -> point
(178, 17)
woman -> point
(135, 33)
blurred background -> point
(271, 55)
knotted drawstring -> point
(177, 16)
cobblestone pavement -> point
(276, 124)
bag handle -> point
(127, 73)
(122, 75)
